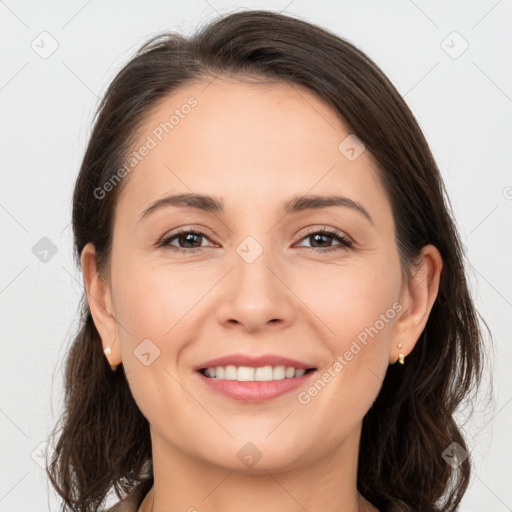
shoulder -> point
(132, 502)
(123, 506)
(126, 505)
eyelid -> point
(163, 241)
(344, 241)
(327, 230)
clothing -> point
(133, 501)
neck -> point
(323, 484)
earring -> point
(401, 357)
(108, 350)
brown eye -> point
(189, 239)
(321, 237)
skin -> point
(255, 146)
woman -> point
(276, 313)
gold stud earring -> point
(401, 357)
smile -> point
(247, 384)
(248, 373)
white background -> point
(464, 106)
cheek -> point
(154, 298)
(358, 307)
(352, 299)
(155, 302)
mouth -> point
(251, 374)
(254, 385)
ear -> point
(417, 299)
(99, 298)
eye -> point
(320, 235)
(188, 237)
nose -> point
(257, 296)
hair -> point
(103, 438)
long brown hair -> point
(103, 438)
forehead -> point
(247, 141)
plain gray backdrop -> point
(451, 60)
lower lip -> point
(253, 391)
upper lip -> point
(254, 361)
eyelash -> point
(345, 243)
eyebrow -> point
(294, 205)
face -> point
(254, 278)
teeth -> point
(265, 373)
(230, 373)
(290, 372)
(248, 374)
